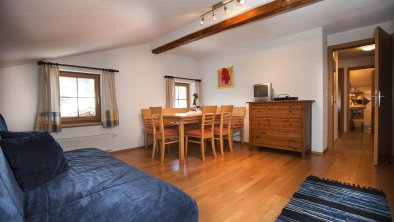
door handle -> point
(378, 97)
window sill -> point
(70, 125)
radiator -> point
(103, 141)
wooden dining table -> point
(181, 119)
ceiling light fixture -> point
(202, 20)
(226, 9)
(368, 47)
(217, 6)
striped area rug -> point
(326, 200)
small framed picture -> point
(226, 77)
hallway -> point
(355, 141)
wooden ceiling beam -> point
(268, 10)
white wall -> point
(358, 34)
(18, 96)
(293, 64)
(139, 84)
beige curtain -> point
(48, 112)
(170, 92)
(198, 90)
(110, 114)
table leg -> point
(181, 140)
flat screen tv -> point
(262, 92)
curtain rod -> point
(84, 67)
(198, 80)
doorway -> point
(381, 123)
(353, 76)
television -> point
(262, 92)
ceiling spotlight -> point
(226, 9)
(213, 16)
(368, 47)
(219, 5)
(202, 20)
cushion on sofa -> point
(3, 124)
(13, 135)
(100, 188)
(11, 195)
(35, 159)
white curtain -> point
(170, 92)
(110, 114)
(48, 112)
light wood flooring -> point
(255, 185)
(357, 141)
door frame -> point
(330, 50)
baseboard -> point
(320, 153)
(127, 150)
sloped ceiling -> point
(39, 29)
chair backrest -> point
(147, 117)
(238, 116)
(157, 120)
(225, 116)
(208, 118)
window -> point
(79, 98)
(182, 95)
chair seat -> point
(235, 126)
(168, 133)
(198, 133)
(217, 131)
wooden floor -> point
(255, 185)
(359, 141)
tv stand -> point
(282, 125)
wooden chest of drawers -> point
(281, 125)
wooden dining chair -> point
(162, 136)
(237, 122)
(148, 128)
(224, 128)
(205, 132)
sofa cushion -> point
(13, 135)
(100, 188)
(11, 195)
(3, 124)
(34, 160)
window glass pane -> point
(68, 86)
(86, 87)
(69, 107)
(182, 104)
(176, 92)
(182, 92)
(176, 104)
(87, 107)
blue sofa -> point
(97, 187)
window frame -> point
(83, 121)
(187, 85)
